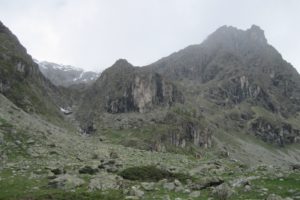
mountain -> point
(22, 82)
(233, 85)
(218, 120)
(239, 71)
(237, 65)
(66, 75)
(123, 88)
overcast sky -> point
(92, 34)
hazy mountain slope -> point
(65, 75)
(245, 78)
(233, 85)
(239, 65)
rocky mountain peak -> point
(227, 48)
(122, 63)
(256, 33)
(229, 37)
(120, 70)
(226, 29)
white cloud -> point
(94, 33)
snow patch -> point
(65, 111)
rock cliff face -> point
(183, 133)
(151, 89)
(280, 133)
(123, 88)
(187, 132)
(239, 89)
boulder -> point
(110, 165)
(66, 181)
(177, 183)
(222, 191)
(240, 182)
(179, 189)
(148, 186)
(194, 194)
(105, 182)
(274, 197)
(57, 170)
(88, 170)
(247, 188)
(135, 191)
(166, 197)
(30, 142)
(113, 155)
(206, 182)
(169, 186)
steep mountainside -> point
(65, 75)
(22, 82)
(233, 135)
(239, 65)
(233, 85)
(240, 72)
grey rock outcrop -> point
(105, 181)
(66, 181)
(140, 91)
(275, 132)
(184, 133)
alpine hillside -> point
(22, 82)
(216, 120)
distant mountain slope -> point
(65, 75)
